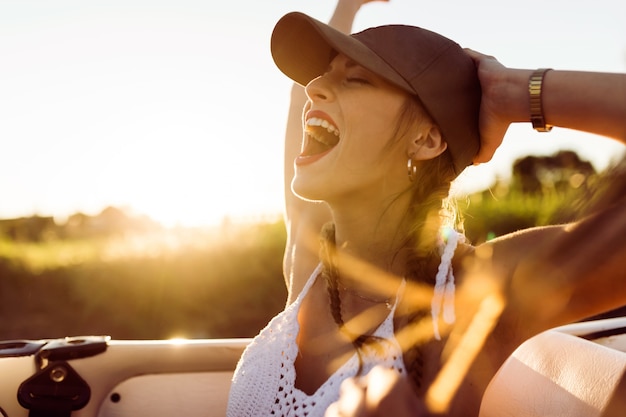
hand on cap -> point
(495, 112)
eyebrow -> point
(350, 63)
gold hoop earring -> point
(411, 167)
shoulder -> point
(509, 256)
(520, 271)
(507, 252)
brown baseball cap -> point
(423, 63)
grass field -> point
(185, 283)
(223, 282)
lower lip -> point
(309, 159)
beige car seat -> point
(577, 370)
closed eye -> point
(357, 80)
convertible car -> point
(577, 370)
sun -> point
(200, 190)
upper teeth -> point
(315, 121)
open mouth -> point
(321, 136)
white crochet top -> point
(264, 380)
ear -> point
(428, 144)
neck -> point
(371, 245)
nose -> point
(319, 89)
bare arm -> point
(560, 274)
(579, 259)
(587, 101)
(304, 219)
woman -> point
(392, 115)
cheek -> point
(375, 137)
(366, 151)
(374, 156)
(371, 130)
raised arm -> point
(587, 101)
(304, 219)
(575, 269)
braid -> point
(331, 276)
(414, 361)
(330, 273)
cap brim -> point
(302, 48)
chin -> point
(309, 190)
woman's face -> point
(349, 120)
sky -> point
(174, 108)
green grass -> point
(37, 257)
(225, 282)
(492, 213)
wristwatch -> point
(535, 84)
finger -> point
(472, 53)
(477, 55)
(484, 155)
(491, 139)
(351, 401)
(390, 394)
(333, 410)
(482, 60)
(380, 382)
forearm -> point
(344, 14)
(586, 101)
